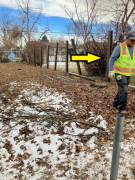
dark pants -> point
(121, 97)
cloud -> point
(54, 7)
(9, 3)
(49, 7)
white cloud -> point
(54, 7)
(49, 7)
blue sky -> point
(55, 23)
(52, 19)
(52, 16)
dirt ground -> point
(90, 98)
(87, 96)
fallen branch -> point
(96, 84)
(66, 78)
(77, 84)
(85, 77)
(55, 117)
(90, 124)
(48, 77)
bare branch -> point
(82, 18)
(43, 34)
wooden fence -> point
(109, 50)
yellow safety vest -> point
(124, 64)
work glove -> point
(111, 75)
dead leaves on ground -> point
(86, 100)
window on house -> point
(60, 48)
(51, 49)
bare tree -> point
(73, 33)
(121, 12)
(29, 18)
(29, 22)
(6, 25)
(82, 17)
(16, 35)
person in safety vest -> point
(121, 66)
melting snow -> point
(33, 149)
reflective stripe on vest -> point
(123, 70)
(124, 49)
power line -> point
(39, 32)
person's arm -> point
(115, 55)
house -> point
(61, 55)
(12, 56)
(52, 50)
(52, 47)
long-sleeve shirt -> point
(115, 55)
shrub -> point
(23, 58)
(5, 60)
(98, 67)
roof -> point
(52, 44)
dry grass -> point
(72, 68)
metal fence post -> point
(117, 146)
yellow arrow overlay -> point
(81, 57)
